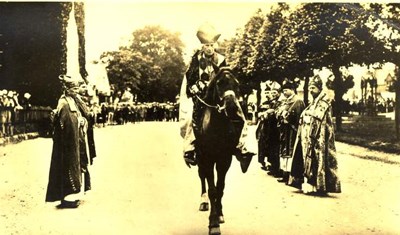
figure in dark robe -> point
(69, 158)
(288, 120)
(267, 131)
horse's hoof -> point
(221, 219)
(214, 231)
(203, 206)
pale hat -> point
(10, 94)
(272, 85)
(27, 95)
(207, 33)
(69, 81)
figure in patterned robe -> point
(315, 145)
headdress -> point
(69, 82)
(272, 85)
(315, 81)
(207, 33)
(287, 84)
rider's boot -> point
(190, 158)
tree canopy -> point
(151, 64)
(294, 40)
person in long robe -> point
(84, 99)
(315, 145)
(269, 130)
(288, 121)
(65, 176)
(262, 130)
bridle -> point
(217, 107)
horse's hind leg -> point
(204, 198)
(222, 169)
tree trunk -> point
(79, 10)
(396, 85)
(305, 90)
(338, 86)
(258, 101)
(397, 103)
(397, 111)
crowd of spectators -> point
(131, 112)
(17, 115)
(369, 107)
(11, 105)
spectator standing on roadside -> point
(288, 120)
(315, 144)
(67, 161)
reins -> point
(217, 107)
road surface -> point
(142, 186)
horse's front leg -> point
(212, 195)
(204, 197)
(222, 168)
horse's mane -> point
(210, 95)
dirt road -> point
(142, 186)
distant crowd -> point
(16, 112)
(368, 107)
(130, 112)
(10, 103)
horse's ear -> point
(222, 70)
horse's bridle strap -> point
(219, 108)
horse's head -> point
(223, 91)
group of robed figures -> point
(298, 142)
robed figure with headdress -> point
(69, 158)
(288, 116)
(315, 144)
(267, 132)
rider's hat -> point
(207, 33)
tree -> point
(333, 35)
(269, 45)
(294, 40)
(244, 51)
(151, 64)
(385, 27)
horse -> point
(217, 138)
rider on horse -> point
(203, 67)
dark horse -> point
(217, 139)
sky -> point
(109, 24)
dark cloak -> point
(65, 175)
